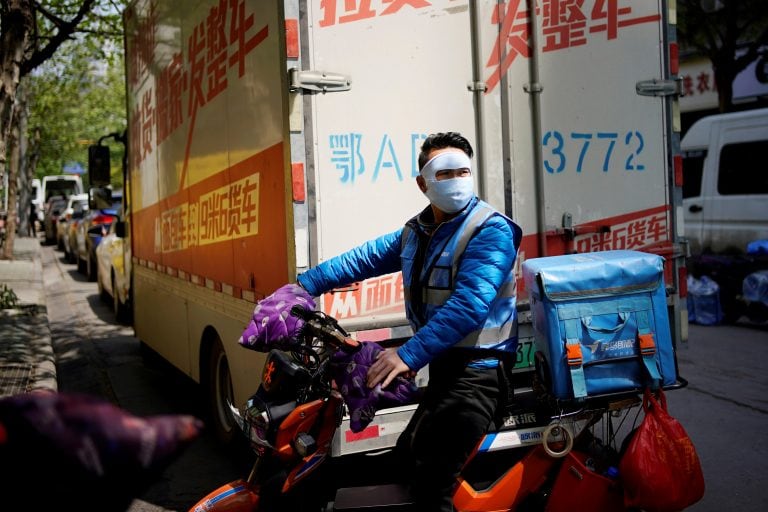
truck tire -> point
(120, 308)
(91, 267)
(103, 295)
(218, 390)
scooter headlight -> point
(258, 420)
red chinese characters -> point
(634, 234)
(216, 50)
(168, 106)
(192, 78)
(375, 296)
(141, 50)
(348, 11)
(565, 24)
(700, 84)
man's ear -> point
(421, 183)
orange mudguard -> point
(506, 493)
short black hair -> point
(443, 140)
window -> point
(742, 169)
(693, 167)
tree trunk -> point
(31, 156)
(13, 191)
(25, 183)
(17, 23)
(724, 82)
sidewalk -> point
(26, 356)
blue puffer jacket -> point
(485, 264)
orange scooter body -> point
(237, 496)
(240, 496)
(510, 490)
(301, 420)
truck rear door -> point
(408, 63)
(603, 130)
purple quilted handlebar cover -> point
(272, 324)
(350, 372)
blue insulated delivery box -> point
(600, 322)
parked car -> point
(62, 223)
(70, 238)
(114, 284)
(93, 227)
(53, 208)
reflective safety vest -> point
(438, 277)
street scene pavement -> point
(59, 337)
(26, 355)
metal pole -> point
(478, 89)
(534, 88)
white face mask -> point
(450, 195)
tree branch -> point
(65, 30)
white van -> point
(725, 181)
(54, 185)
(37, 198)
(61, 185)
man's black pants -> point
(459, 405)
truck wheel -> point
(219, 394)
(103, 295)
(91, 268)
(120, 308)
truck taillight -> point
(297, 182)
(682, 286)
(101, 219)
(674, 59)
(678, 162)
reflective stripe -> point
(438, 297)
(441, 268)
(490, 335)
(480, 215)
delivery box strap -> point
(648, 348)
(621, 307)
(647, 352)
(575, 360)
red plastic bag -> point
(660, 470)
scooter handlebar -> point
(326, 328)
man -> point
(457, 259)
(32, 228)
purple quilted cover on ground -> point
(350, 371)
(90, 452)
(273, 325)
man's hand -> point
(388, 365)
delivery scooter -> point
(536, 460)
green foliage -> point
(731, 33)
(98, 20)
(78, 95)
(709, 25)
(75, 100)
(8, 299)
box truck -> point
(268, 136)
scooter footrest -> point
(373, 498)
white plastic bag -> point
(755, 287)
(704, 301)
